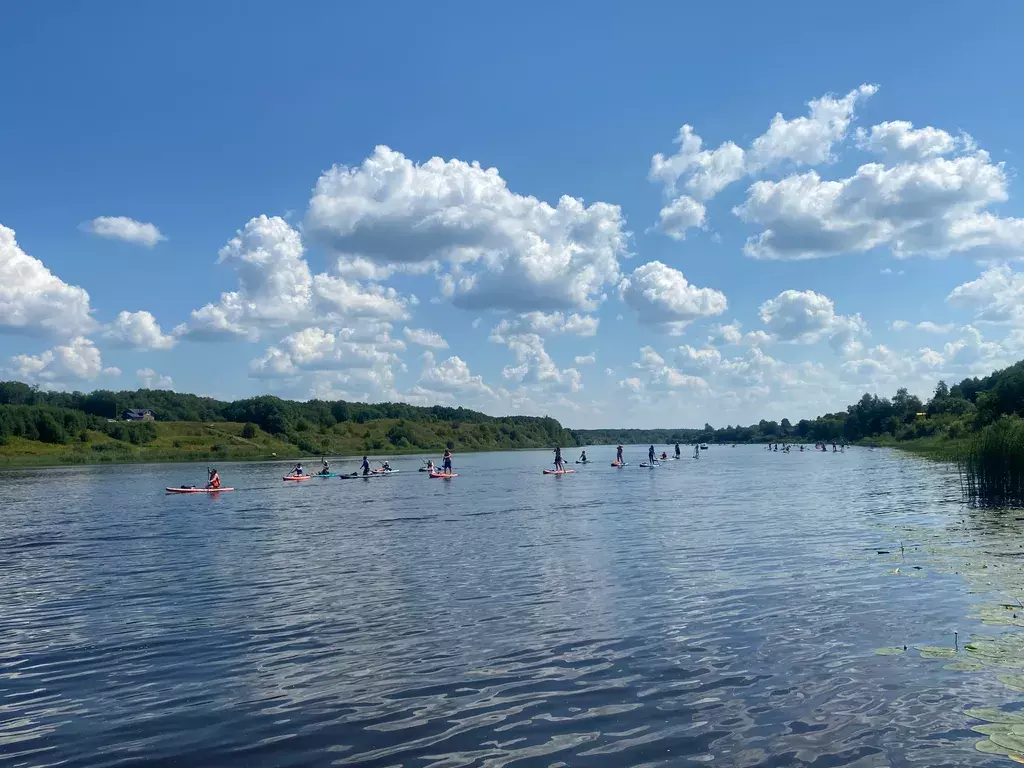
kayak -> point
(329, 474)
(198, 490)
(298, 477)
(558, 471)
(445, 475)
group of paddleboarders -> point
(214, 481)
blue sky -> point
(241, 198)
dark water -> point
(721, 611)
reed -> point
(991, 465)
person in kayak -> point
(446, 462)
(677, 450)
(430, 465)
(298, 471)
(559, 464)
(214, 481)
(365, 466)
(664, 455)
(583, 458)
(385, 467)
(325, 468)
(618, 455)
(650, 455)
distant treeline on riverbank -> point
(48, 427)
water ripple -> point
(724, 611)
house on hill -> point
(138, 414)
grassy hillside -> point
(231, 441)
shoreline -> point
(930, 448)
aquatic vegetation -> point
(1005, 731)
(991, 465)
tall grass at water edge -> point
(991, 464)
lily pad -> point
(1010, 741)
(935, 652)
(993, 715)
(889, 651)
(965, 666)
(1012, 681)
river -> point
(724, 611)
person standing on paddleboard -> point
(365, 466)
(446, 462)
(618, 455)
(559, 464)
(650, 455)
(214, 481)
(677, 450)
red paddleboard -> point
(445, 475)
(558, 471)
(198, 490)
(298, 477)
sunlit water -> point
(722, 611)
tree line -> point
(952, 411)
(60, 417)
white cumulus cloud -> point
(996, 296)
(75, 362)
(34, 300)
(935, 207)
(276, 289)
(150, 379)
(681, 214)
(545, 324)
(124, 229)
(317, 350)
(138, 330)
(503, 250)
(535, 368)
(807, 317)
(425, 338)
(803, 141)
(663, 298)
(585, 359)
(899, 140)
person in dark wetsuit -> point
(583, 458)
(365, 466)
(677, 450)
(650, 455)
(618, 455)
(559, 464)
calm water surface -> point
(722, 611)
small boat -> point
(193, 489)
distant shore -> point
(931, 447)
